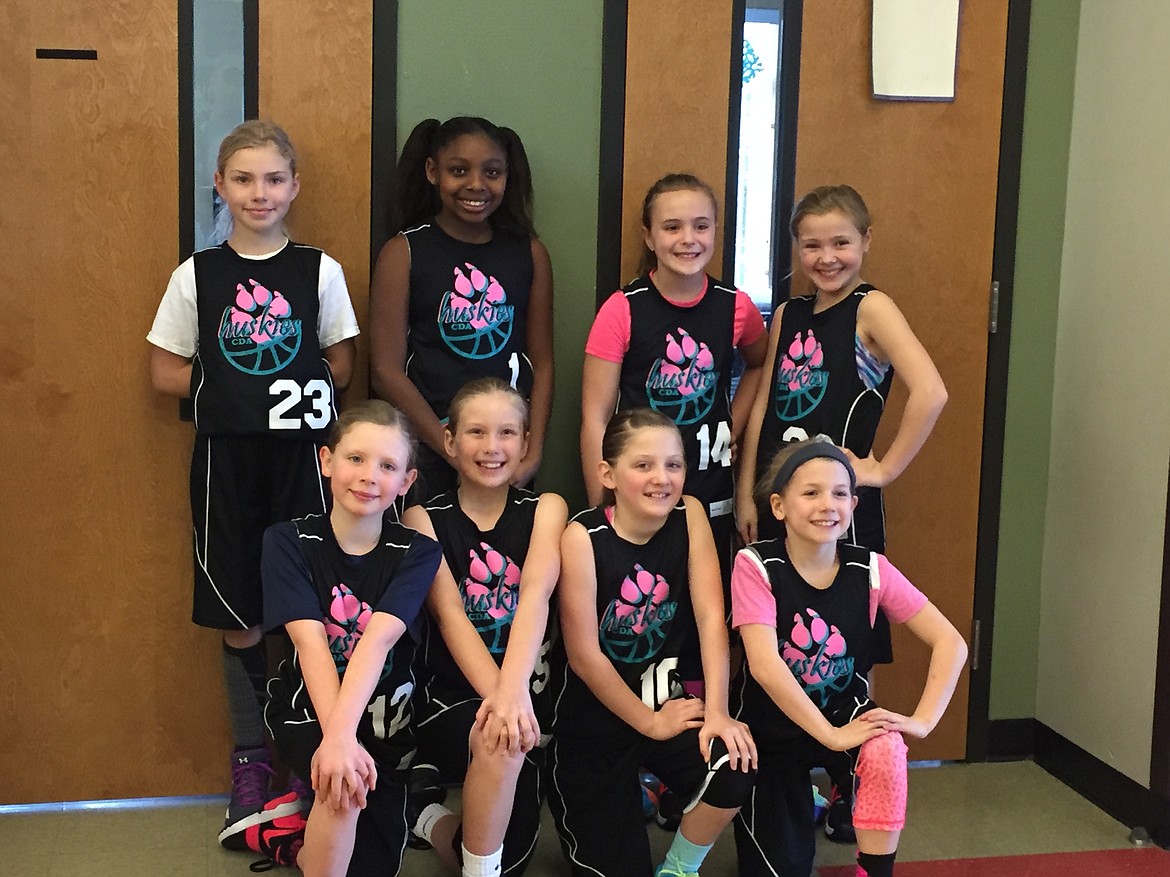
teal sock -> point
(684, 856)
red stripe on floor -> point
(1149, 862)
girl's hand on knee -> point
(343, 770)
(676, 716)
(909, 726)
(736, 736)
(508, 722)
(855, 733)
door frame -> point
(1003, 269)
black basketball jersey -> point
(468, 313)
(349, 590)
(259, 367)
(825, 638)
(486, 566)
(679, 363)
(646, 622)
(817, 389)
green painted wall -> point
(534, 66)
(1052, 49)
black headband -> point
(812, 451)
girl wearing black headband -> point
(805, 605)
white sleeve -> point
(336, 320)
(176, 324)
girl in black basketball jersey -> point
(348, 589)
(258, 333)
(463, 289)
(805, 605)
(484, 669)
(667, 340)
(642, 673)
(832, 355)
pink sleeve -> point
(751, 592)
(899, 599)
(749, 325)
(609, 339)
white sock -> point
(482, 866)
(428, 819)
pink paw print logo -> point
(632, 626)
(345, 624)
(257, 333)
(682, 383)
(260, 309)
(491, 593)
(816, 653)
(801, 379)
(475, 319)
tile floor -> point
(956, 810)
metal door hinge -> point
(993, 310)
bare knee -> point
(243, 639)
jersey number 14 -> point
(720, 451)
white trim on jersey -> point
(202, 557)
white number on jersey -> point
(514, 367)
(540, 673)
(316, 390)
(658, 683)
(794, 434)
(720, 452)
(398, 702)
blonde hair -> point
(484, 387)
(826, 199)
(379, 413)
(253, 133)
(620, 430)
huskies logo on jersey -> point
(344, 625)
(475, 319)
(683, 382)
(801, 379)
(635, 624)
(490, 594)
(258, 334)
(816, 655)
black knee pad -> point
(724, 787)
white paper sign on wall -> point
(915, 49)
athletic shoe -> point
(670, 811)
(302, 790)
(650, 787)
(278, 838)
(423, 788)
(663, 871)
(839, 822)
(250, 775)
(820, 805)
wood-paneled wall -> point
(106, 687)
(928, 172)
(315, 80)
(678, 63)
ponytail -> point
(412, 197)
(517, 204)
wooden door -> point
(928, 172)
(107, 688)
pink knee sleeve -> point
(880, 802)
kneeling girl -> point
(642, 675)
(805, 605)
